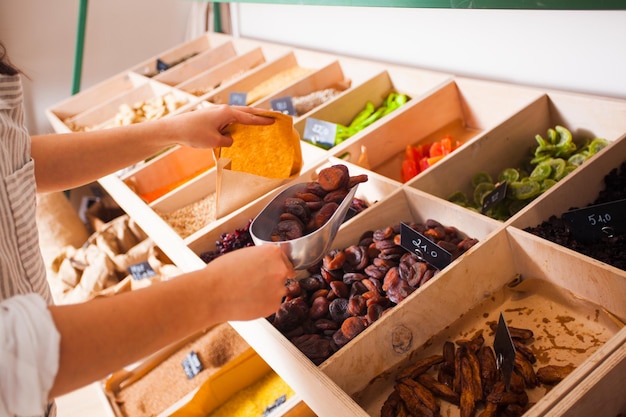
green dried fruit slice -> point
(509, 175)
(597, 145)
(558, 168)
(480, 178)
(577, 159)
(458, 197)
(541, 171)
(547, 183)
(481, 191)
(524, 190)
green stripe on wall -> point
(461, 4)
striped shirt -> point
(22, 270)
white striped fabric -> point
(22, 270)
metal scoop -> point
(307, 250)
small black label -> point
(320, 133)
(268, 410)
(505, 351)
(161, 66)
(424, 248)
(598, 221)
(283, 105)
(192, 365)
(141, 270)
(495, 196)
(237, 99)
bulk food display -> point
(482, 209)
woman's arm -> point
(68, 160)
(104, 335)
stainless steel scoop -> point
(307, 250)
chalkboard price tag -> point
(270, 408)
(192, 365)
(505, 351)
(320, 133)
(424, 248)
(161, 66)
(237, 99)
(598, 221)
(283, 105)
(495, 196)
(141, 270)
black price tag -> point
(598, 221)
(494, 197)
(141, 270)
(283, 105)
(424, 248)
(320, 133)
(268, 410)
(161, 66)
(505, 351)
(192, 365)
(237, 99)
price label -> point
(237, 99)
(192, 365)
(424, 248)
(320, 133)
(505, 351)
(270, 408)
(598, 221)
(161, 66)
(141, 270)
(494, 197)
(283, 105)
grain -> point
(167, 383)
(192, 217)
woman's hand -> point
(207, 127)
(248, 283)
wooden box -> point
(180, 54)
(462, 108)
(227, 72)
(262, 74)
(508, 271)
(60, 115)
(377, 188)
(510, 144)
(330, 76)
(197, 64)
(150, 97)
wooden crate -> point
(474, 292)
(330, 76)
(472, 289)
(85, 100)
(180, 54)
(198, 64)
(101, 116)
(462, 108)
(510, 143)
(260, 74)
(227, 72)
(377, 188)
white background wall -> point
(574, 50)
(579, 51)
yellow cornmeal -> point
(253, 400)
